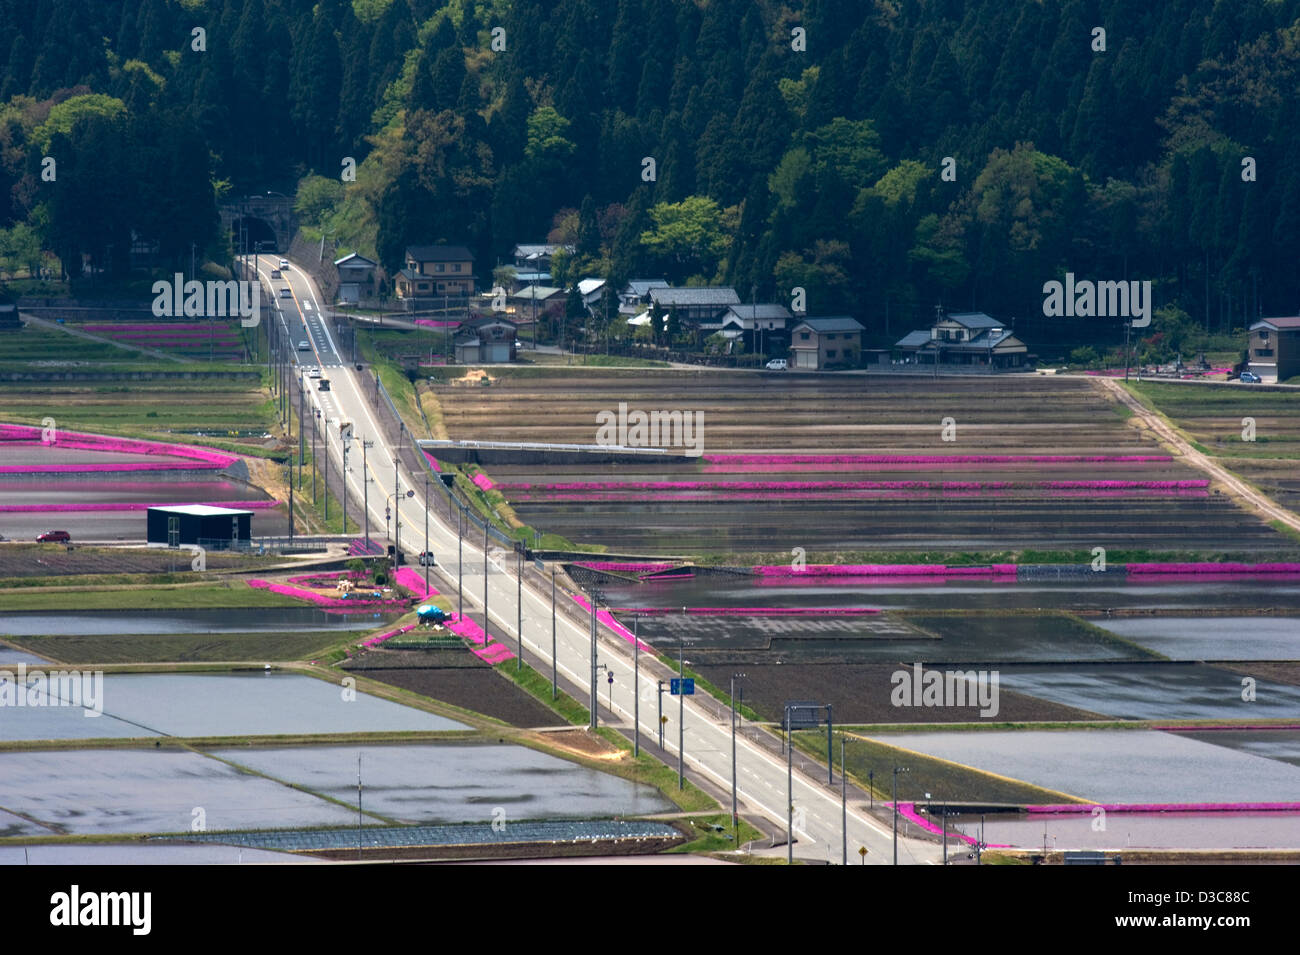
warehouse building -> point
(198, 524)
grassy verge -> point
(646, 769)
(713, 834)
(539, 688)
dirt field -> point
(844, 464)
(457, 677)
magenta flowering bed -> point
(617, 568)
(413, 580)
(328, 579)
(607, 618)
(166, 456)
(483, 482)
(484, 649)
(338, 604)
(749, 611)
(1208, 568)
(377, 640)
(436, 323)
(884, 570)
(128, 506)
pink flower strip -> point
(128, 506)
(884, 570)
(375, 641)
(333, 603)
(750, 611)
(413, 581)
(483, 481)
(931, 458)
(1206, 567)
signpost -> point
(682, 687)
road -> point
(707, 739)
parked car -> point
(426, 557)
(54, 537)
(1250, 377)
(777, 364)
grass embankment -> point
(942, 779)
(181, 647)
(722, 696)
(197, 596)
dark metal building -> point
(199, 524)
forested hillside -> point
(793, 143)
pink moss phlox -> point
(413, 581)
(127, 506)
(375, 641)
(483, 482)
(931, 458)
(333, 603)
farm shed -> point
(199, 524)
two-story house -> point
(829, 342)
(436, 270)
(1274, 348)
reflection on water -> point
(261, 620)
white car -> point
(284, 265)
(777, 364)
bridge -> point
(267, 218)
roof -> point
(444, 253)
(973, 320)
(587, 286)
(984, 341)
(916, 339)
(412, 274)
(539, 292)
(355, 260)
(721, 295)
(832, 323)
(538, 250)
(532, 276)
(641, 287)
(1287, 322)
(763, 312)
(200, 510)
(642, 319)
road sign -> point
(804, 714)
(680, 687)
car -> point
(324, 384)
(284, 264)
(275, 274)
(1250, 377)
(54, 537)
(304, 346)
(286, 292)
(426, 557)
(313, 373)
(777, 364)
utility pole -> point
(897, 770)
(595, 716)
(397, 518)
(486, 638)
(315, 465)
(343, 477)
(554, 685)
(365, 489)
(460, 562)
(519, 603)
(291, 495)
(302, 437)
(735, 818)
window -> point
(830, 353)
(803, 336)
(456, 267)
(1264, 352)
(439, 267)
(1263, 334)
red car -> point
(54, 537)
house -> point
(434, 270)
(832, 341)
(539, 300)
(764, 325)
(637, 293)
(537, 256)
(964, 338)
(1274, 348)
(9, 321)
(485, 339)
(700, 307)
(356, 277)
(591, 291)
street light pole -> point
(426, 534)
(519, 606)
(789, 792)
(486, 638)
(735, 824)
(897, 770)
(661, 715)
(844, 804)
(594, 701)
(365, 489)
(681, 714)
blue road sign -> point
(684, 687)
